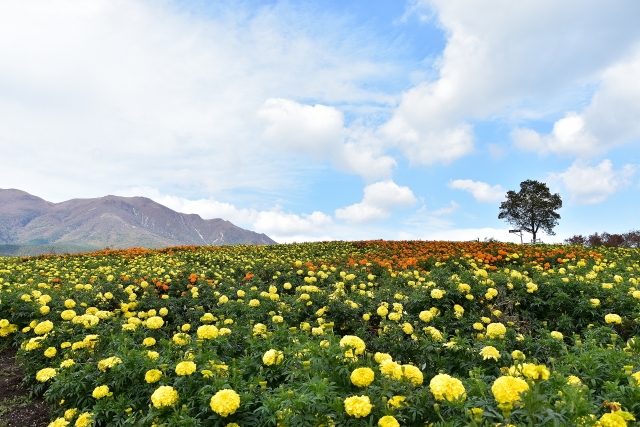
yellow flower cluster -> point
(496, 330)
(153, 376)
(272, 357)
(507, 389)
(45, 374)
(362, 377)
(352, 342)
(185, 368)
(109, 362)
(446, 387)
(225, 402)
(164, 396)
(100, 392)
(358, 406)
(207, 332)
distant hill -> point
(30, 224)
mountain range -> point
(30, 224)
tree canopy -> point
(532, 208)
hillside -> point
(29, 222)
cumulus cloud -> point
(319, 131)
(378, 202)
(481, 191)
(130, 92)
(275, 222)
(611, 119)
(502, 58)
(453, 207)
(593, 184)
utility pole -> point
(518, 232)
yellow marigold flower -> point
(595, 302)
(45, 374)
(225, 402)
(557, 335)
(395, 316)
(109, 362)
(148, 342)
(396, 402)
(317, 331)
(464, 288)
(490, 352)
(45, 309)
(535, 372)
(388, 421)
(207, 332)
(43, 327)
(50, 352)
(272, 357)
(613, 318)
(68, 314)
(59, 422)
(358, 406)
(407, 328)
(380, 357)
(153, 354)
(153, 376)
(425, 316)
(413, 374)
(186, 327)
(574, 381)
(70, 413)
(362, 377)
(496, 330)
(382, 311)
(277, 319)
(164, 396)
(259, 329)
(155, 322)
(354, 342)
(84, 420)
(185, 368)
(181, 338)
(507, 389)
(69, 303)
(100, 392)
(163, 311)
(391, 369)
(445, 387)
(612, 420)
(67, 363)
(207, 317)
(518, 355)
(437, 293)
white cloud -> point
(503, 56)
(136, 93)
(611, 119)
(447, 211)
(279, 225)
(593, 184)
(318, 131)
(379, 200)
(481, 191)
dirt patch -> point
(16, 408)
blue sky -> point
(315, 120)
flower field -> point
(371, 333)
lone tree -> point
(532, 208)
